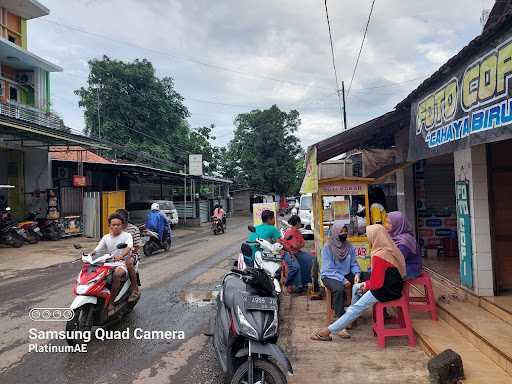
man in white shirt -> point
(108, 244)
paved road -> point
(174, 286)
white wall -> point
(37, 170)
(471, 164)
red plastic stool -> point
(426, 303)
(403, 320)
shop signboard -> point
(464, 230)
(310, 182)
(195, 165)
(258, 208)
(345, 189)
(79, 181)
(471, 106)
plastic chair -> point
(403, 320)
(426, 303)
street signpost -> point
(195, 165)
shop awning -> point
(376, 133)
(16, 57)
(383, 173)
(33, 135)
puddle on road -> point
(198, 297)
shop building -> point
(27, 126)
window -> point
(13, 93)
(2, 93)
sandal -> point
(316, 336)
(134, 296)
(344, 334)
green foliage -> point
(142, 115)
(265, 152)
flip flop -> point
(134, 296)
(344, 334)
(316, 336)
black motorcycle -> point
(10, 234)
(247, 328)
(48, 229)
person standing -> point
(401, 233)
(340, 268)
(385, 284)
(378, 206)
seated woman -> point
(299, 262)
(339, 267)
(385, 284)
(401, 233)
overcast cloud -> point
(229, 56)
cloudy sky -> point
(231, 56)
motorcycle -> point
(32, 231)
(10, 234)
(152, 242)
(216, 225)
(247, 327)
(48, 229)
(92, 290)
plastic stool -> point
(403, 320)
(426, 303)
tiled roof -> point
(76, 154)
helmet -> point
(155, 207)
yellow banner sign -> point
(310, 182)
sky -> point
(232, 56)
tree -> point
(142, 115)
(265, 150)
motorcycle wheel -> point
(215, 232)
(32, 237)
(264, 371)
(148, 249)
(16, 241)
(166, 245)
(81, 321)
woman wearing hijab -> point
(339, 267)
(401, 233)
(385, 284)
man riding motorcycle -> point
(158, 222)
(220, 214)
(131, 261)
(108, 244)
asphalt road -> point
(176, 288)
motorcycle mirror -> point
(251, 228)
(246, 250)
(77, 246)
(121, 246)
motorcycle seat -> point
(232, 287)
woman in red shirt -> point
(299, 262)
(385, 284)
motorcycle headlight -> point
(272, 328)
(245, 327)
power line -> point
(175, 56)
(361, 47)
(334, 61)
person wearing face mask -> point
(340, 268)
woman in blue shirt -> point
(340, 268)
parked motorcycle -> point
(10, 234)
(48, 229)
(247, 327)
(216, 225)
(32, 231)
(92, 290)
(152, 242)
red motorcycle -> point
(92, 290)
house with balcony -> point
(28, 128)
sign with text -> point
(345, 189)
(310, 182)
(472, 106)
(341, 210)
(362, 249)
(258, 208)
(195, 165)
(464, 230)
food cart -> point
(345, 199)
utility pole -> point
(98, 109)
(185, 195)
(344, 106)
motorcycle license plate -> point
(145, 238)
(37, 229)
(260, 303)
